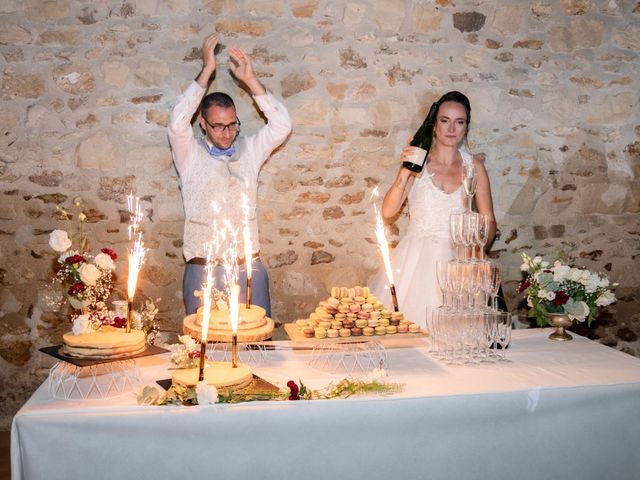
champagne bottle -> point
(422, 141)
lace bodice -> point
(430, 207)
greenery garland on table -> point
(207, 394)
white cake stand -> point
(102, 380)
(349, 357)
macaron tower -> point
(353, 312)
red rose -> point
(119, 322)
(294, 390)
(194, 354)
(561, 298)
(110, 252)
(523, 286)
(73, 259)
(76, 288)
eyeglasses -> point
(233, 127)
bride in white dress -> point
(433, 195)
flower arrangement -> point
(203, 394)
(185, 354)
(87, 282)
(87, 279)
(559, 288)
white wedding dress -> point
(427, 239)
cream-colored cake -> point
(107, 342)
(248, 318)
(253, 325)
(219, 374)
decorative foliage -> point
(178, 395)
(559, 288)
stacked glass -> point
(464, 328)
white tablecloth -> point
(555, 410)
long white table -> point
(554, 411)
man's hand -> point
(208, 60)
(241, 67)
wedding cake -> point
(253, 324)
(105, 343)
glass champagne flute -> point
(469, 182)
(495, 277)
(482, 232)
(456, 231)
(442, 267)
(503, 332)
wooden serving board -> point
(396, 340)
(259, 334)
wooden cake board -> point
(259, 334)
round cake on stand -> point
(253, 325)
(218, 374)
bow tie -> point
(220, 152)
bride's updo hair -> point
(457, 97)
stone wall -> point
(86, 89)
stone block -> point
(426, 18)
(45, 11)
(469, 21)
(296, 83)
(313, 197)
(152, 72)
(351, 60)
(66, 37)
(74, 78)
(320, 256)
(508, 19)
(282, 259)
(252, 28)
(303, 8)
(115, 73)
(97, 152)
(333, 213)
(388, 15)
(576, 7)
(21, 85)
(11, 34)
(47, 178)
(264, 8)
(581, 33)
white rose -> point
(105, 262)
(89, 274)
(524, 267)
(560, 272)
(82, 324)
(575, 274)
(206, 394)
(190, 344)
(59, 240)
(607, 298)
(577, 310)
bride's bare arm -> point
(483, 199)
(400, 188)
